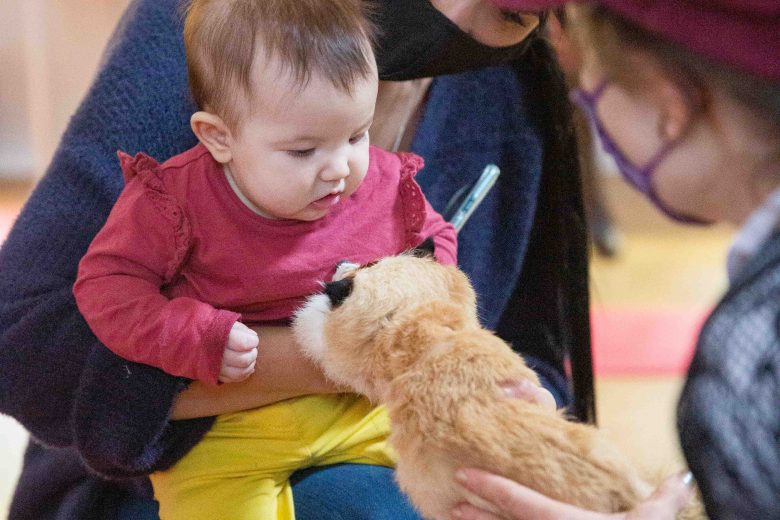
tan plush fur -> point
(407, 336)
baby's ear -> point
(424, 250)
(214, 134)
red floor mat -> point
(650, 341)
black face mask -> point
(415, 40)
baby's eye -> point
(301, 153)
(356, 139)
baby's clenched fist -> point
(238, 361)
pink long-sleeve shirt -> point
(181, 258)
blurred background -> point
(49, 51)
(652, 281)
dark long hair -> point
(550, 306)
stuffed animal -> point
(404, 332)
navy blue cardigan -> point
(70, 392)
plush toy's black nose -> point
(339, 290)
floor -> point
(660, 266)
(13, 438)
(663, 268)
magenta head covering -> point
(741, 33)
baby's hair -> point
(328, 37)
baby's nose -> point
(337, 169)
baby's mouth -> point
(328, 200)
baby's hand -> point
(238, 361)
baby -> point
(240, 229)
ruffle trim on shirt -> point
(412, 198)
(147, 171)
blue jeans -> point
(338, 492)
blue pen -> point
(481, 188)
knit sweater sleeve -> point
(140, 250)
(55, 377)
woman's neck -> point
(398, 108)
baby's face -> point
(302, 149)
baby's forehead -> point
(269, 66)
(275, 82)
(295, 67)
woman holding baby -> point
(686, 97)
(500, 99)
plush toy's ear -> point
(339, 290)
(424, 250)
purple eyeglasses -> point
(638, 176)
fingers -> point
(515, 502)
(239, 359)
(668, 500)
(234, 375)
(242, 338)
(240, 356)
(468, 512)
(237, 365)
(528, 391)
(504, 494)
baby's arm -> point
(118, 290)
(444, 236)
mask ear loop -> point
(639, 177)
(587, 101)
(695, 95)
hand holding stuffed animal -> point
(404, 332)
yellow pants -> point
(240, 470)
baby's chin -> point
(322, 207)
(306, 214)
(315, 217)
